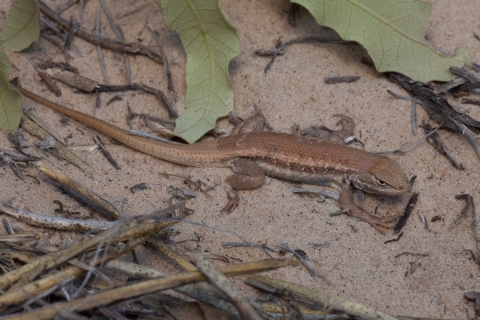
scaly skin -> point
(279, 155)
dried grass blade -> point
(33, 128)
(320, 298)
(84, 192)
(221, 282)
(58, 223)
(145, 287)
(25, 292)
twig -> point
(119, 35)
(106, 153)
(31, 124)
(135, 270)
(406, 214)
(84, 194)
(104, 42)
(471, 101)
(337, 80)
(300, 40)
(36, 267)
(312, 271)
(318, 298)
(444, 120)
(99, 50)
(435, 140)
(221, 282)
(166, 64)
(138, 289)
(65, 6)
(414, 116)
(58, 223)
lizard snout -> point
(390, 176)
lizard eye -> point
(381, 183)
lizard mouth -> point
(377, 188)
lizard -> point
(290, 157)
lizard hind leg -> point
(247, 175)
(348, 126)
(251, 124)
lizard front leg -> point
(247, 175)
(347, 204)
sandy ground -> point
(361, 266)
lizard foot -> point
(346, 203)
(376, 222)
(247, 175)
(348, 126)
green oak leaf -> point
(22, 27)
(392, 32)
(10, 98)
(210, 43)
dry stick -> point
(119, 35)
(82, 5)
(163, 98)
(46, 293)
(412, 143)
(52, 86)
(437, 143)
(221, 282)
(434, 103)
(445, 120)
(464, 74)
(8, 226)
(414, 116)
(136, 290)
(62, 36)
(83, 193)
(475, 102)
(310, 270)
(57, 42)
(40, 124)
(406, 214)
(183, 263)
(72, 30)
(469, 199)
(449, 85)
(105, 152)
(135, 270)
(199, 187)
(66, 5)
(166, 64)
(59, 223)
(134, 48)
(319, 298)
(33, 128)
(300, 40)
(99, 50)
(20, 294)
(32, 270)
(133, 11)
(341, 79)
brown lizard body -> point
(279, 155)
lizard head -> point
(383, 176)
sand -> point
(428, 282)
